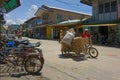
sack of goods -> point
(77, 45)
(85, 40)
(68, 38)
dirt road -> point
(69, 67)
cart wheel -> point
(33, 65)
(93, 52)
(65, 52)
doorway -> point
(103, 30)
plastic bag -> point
(68, 38)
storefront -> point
(40, 32)
(53, 31)
(107, 32)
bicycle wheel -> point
(1, 58)
(93, 52)
(33, 65)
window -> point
(70, 17)
(113, 6)
(38, 21)
(107, 7)
(59, 17)
(101, 8)
(29, 25)
(45, 16)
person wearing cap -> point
(86, 34)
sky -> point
(28, 8)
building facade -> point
(30, 26)
(53, 15)
(106, 19)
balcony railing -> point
(47, 22)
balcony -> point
(47, 22)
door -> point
(103, 30)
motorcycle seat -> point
(33, 45)
(22, 40)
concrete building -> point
(53, 15)
(105, 19)
(30, 26)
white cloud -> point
(31, 11)
(7, 16)
(9, 20)
(20, 21)
(29, 14)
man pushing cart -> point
(82, 44)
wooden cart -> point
(79, 45)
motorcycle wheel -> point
(33, 65)
(93, 52)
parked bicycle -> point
(26, 57)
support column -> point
(119, 31)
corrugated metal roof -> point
(51, 7)
(69, 22)
(68, 10)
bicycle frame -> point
(20, 58)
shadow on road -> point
(24, 74)
(80, 57)
(18, 75)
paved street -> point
(57, 67)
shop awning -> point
(101, 23)
(69, 22)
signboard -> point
(39, 21)
(10, 5)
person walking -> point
(19, 34)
